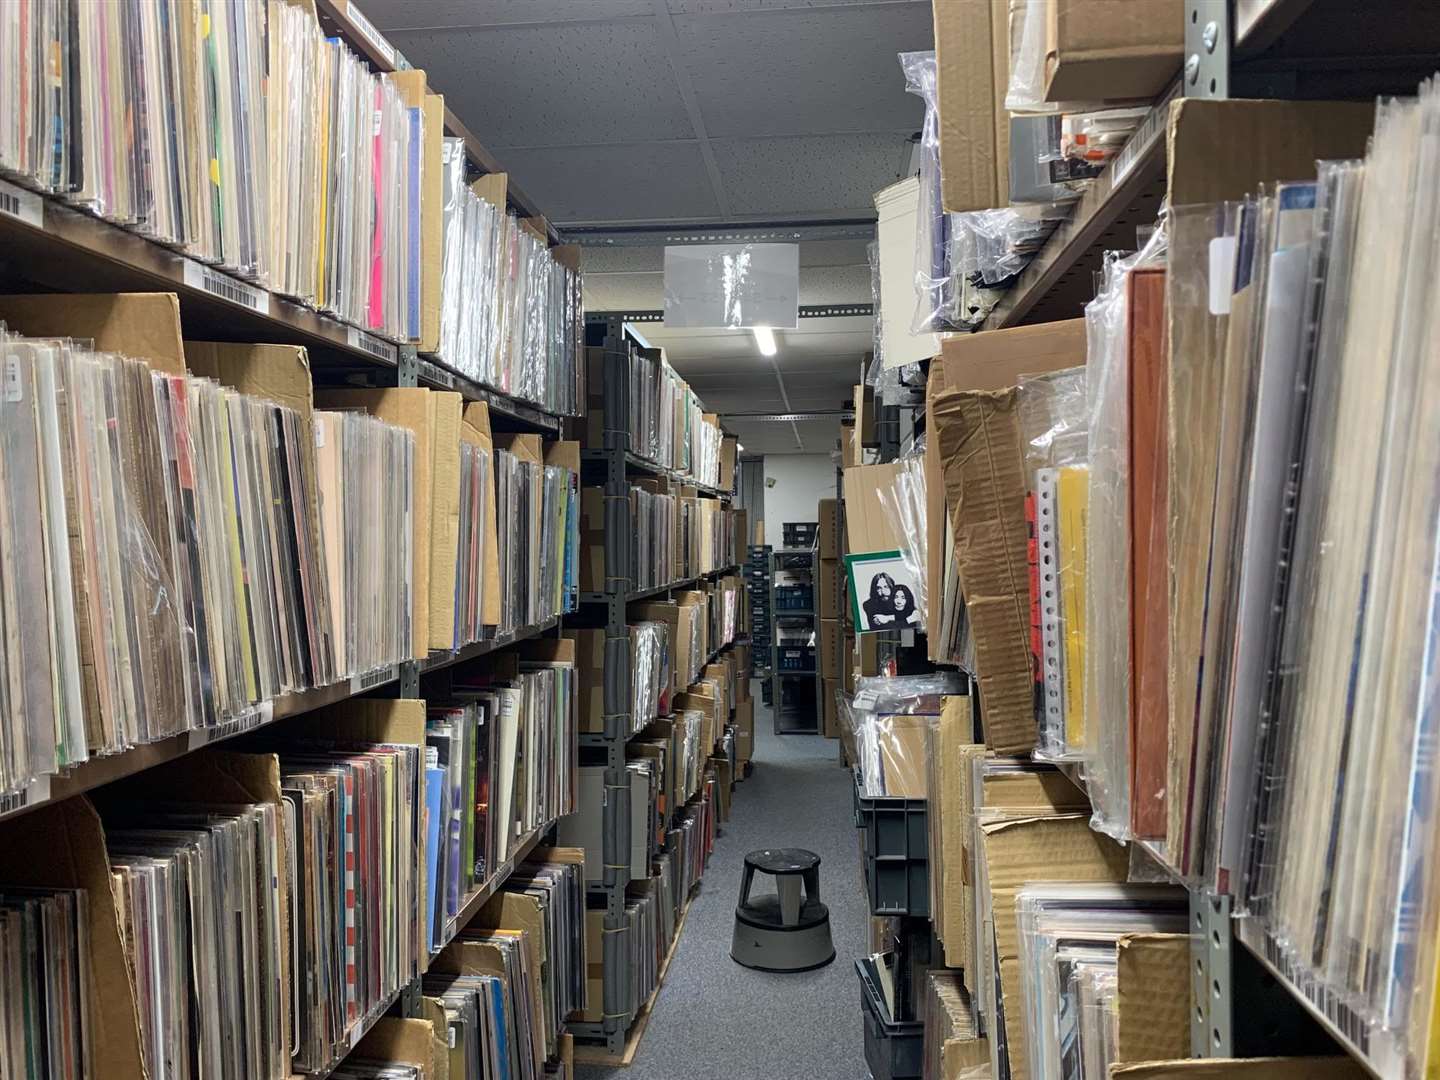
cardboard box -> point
(830, 642)
(951, 752)
(1021, 851)
(830, 709)
(1112, 50)
(972, 54)
(985, 487)
(868, 525)
(728, 454)
(590, 673)
(865, 654)
(829, 531)
(744, 723)
(1152, 997)
(144, 326)
(995, 359)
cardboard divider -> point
(475, 429)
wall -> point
(801, 481)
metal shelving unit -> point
(781, 560)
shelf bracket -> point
(1210, 941)
(1208, 38)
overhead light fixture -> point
(740, 447)
(764, 340)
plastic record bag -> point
(889, 719)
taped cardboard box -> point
(1152, 997)
(995, 359)
(1112, 50)
(1021, 851)
(979, 436)
(972, 55)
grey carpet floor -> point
(715, 1020)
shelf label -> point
(32, 794)
(369, 343)
(209, 280)
(366, 29)
(22, 205)
(436, 374)
(255, 717)
(371, 679)
(14, 388)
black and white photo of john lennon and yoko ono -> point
(885, 592)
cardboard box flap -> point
(1152, 992)
(143, 326)
(985, 489)
(995, 359)
(525, 447)
(972, 54)
(565, 454)
(475, 427)
(377, 720)
(278, 373)
(444, 516)
(868, 524)
(392, 1039)
(494, 188)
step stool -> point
(783, 931)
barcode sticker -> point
(14, 388)
(367, 30)
(22, 205)
(256, 716)
(369, 343)
(223, 286)
(319, 433)
(437, 375)
(371, 679)
(32, 794)
(1150, 129)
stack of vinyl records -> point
(652, 544)
(356, 892)
(472, 553)
(538, 545)
(184, 879)
(689, 844)
(644, 920)
(170, 581)
(1068, 937)
(366, 476)
(649, 672)
(511, 313)
(298, 109)
(553, 894)
(45, 1007)
(489, 1010)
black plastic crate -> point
(894, 1049)
(800, 534)
(796, 658)
(897, 852)
(794, 597)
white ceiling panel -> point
(392, 15)
(557, 85)
(596, 183)
(810, 176)
(766, 72)
(816, 436)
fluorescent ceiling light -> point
(764, 340)
(740, 447)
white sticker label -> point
(437, 375)
(14, 388)
(865, 700)
(369, 343)
(255, 717)
(366, 29)
(22, 205)
(379, 677)
(319, 433)
(208, 280)
(1140, 140)
(1222, 274)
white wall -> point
(801, 481)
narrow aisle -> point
(755, 1024)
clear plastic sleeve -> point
(889, 720)
(1107, 689)
(904, 501)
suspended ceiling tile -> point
(728, 7)
(593, 183)
(773, 71)
(554, 85)
(816, 174)
(390, 15)
(836, 285)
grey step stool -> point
(784, 931)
